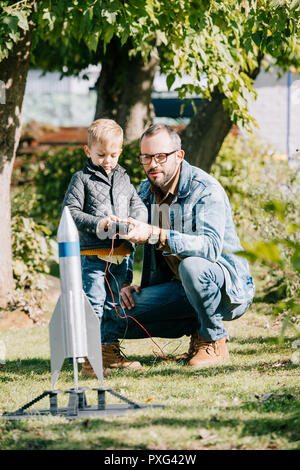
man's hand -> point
(139, 231)
(126, 296)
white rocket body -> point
(74, 327)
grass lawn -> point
(223, 407)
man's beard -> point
(164, 181)
(158, 184)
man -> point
(191, 279)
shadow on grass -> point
(25, 367)
(39, 443)
(217, 370)
(285, 427)
(268, 340)
(93, 431)
(261, 345)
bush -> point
(52, 175)
(31, 243)
(256, 184)
(33, 250)
(265, 200)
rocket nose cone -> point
(67, 230)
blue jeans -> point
(176, 308)
(95, 285)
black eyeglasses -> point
(158, 157)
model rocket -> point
(74, 327)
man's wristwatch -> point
(154, 237)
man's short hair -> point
(103, 130)
(156, 128)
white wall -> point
(65, 102)
(271, 110)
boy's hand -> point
(126, 296)
(105, 224)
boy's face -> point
(104, 154)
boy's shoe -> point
(113, 358)
(208, 353)
(88, 371)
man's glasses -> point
(158, 157)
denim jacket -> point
(201, 225)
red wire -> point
(129, 316)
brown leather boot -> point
(191, 350)
(208, 353)
(88, 371)
(113, 359)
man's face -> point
(160, 174)
(104, 154)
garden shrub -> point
(265, 199)
(33, 250)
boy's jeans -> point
(173, 309)
(95, 285)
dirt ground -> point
(14, 319)
(18, 318)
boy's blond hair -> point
(103, 130)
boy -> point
(99, 194)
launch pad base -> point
(78, 406)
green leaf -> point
(108, 34)
(261, 250)
(296, 259)
(278, 207)
(22, 19)
(92, 42)
(170, 80)
(256, 37)
(11, 22)
(291, 228)
(248, 46)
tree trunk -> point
(124, 90)
(13, 73)
(203, 137)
